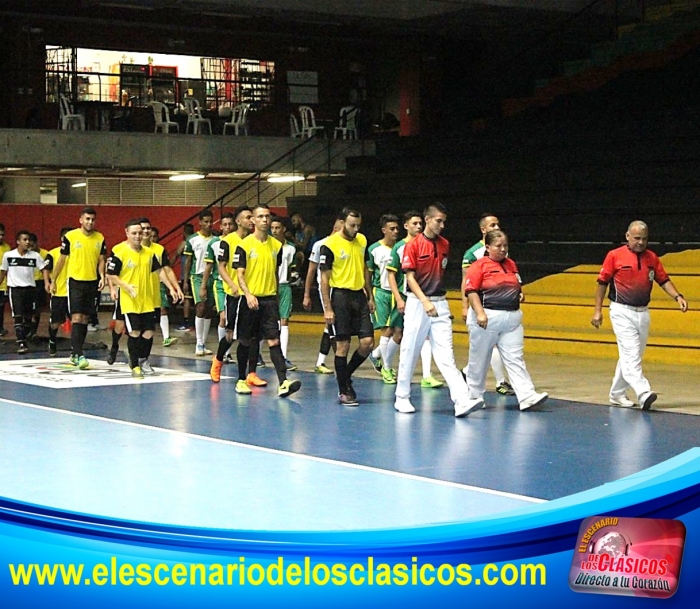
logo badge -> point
(628, 556)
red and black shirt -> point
(497, 283)
(631, 276)
(427, 258)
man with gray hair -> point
(630, 271)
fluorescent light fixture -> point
(283, 179)
(79, 185)
(186, 177)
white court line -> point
(275, 451)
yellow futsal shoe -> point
(242, 388)
(430, 382)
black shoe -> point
(23, 348)
(52, 348)
(112, 357)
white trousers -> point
(504, 331)
(631, 329)
(417, 326)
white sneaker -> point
(202, 350)
(404, 405)
(621, 400)
(462, 409)
(534, 400)
(146, 367)
(92, 328)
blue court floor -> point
(181, 450)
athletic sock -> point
(205, 330)
(355, 362)
(53, 334)
(278, 361)
(116, 337)
(165, 326)
(242, 354)
(224, 346)
(391, 349)
(133, 345)
(341, 373)
(325, 347)
(284, 340)
(383, 341)
(199, 330)
(147, 345)
(221, 332)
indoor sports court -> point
(178, 449)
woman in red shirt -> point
(492, 285)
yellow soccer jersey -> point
(227, 253)
(260, 261)
(4, 248)
(346, 261)
(62, 279)
(135, 268)
(83, 253)
(38, 275)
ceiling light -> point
(283, 179)
(186, 177)
(79, 185)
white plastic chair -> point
(162, 115)
(239, 119)
(294, 130)
(68, 118)
(347, 126)
(308, 122)
(194, 116)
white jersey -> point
(196, 247)
(20, 269)
(315, 256)
(288, 254)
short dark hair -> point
(33, 237)
(188, 229)
(133, 222)
(412, 213)
(240, 210)
(23, 232)
(386, 218)
(65, 229)
(348, 211)
(228, 215)
(205, 213)
(483, 217)
(88, 211)
(260, 206)
(434, 207)
(144, 220)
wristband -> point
(677, 296)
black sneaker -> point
(112, 357)
(23, 348)
(52, 348)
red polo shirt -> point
(427, 258)
(631, 275)
(497, 283)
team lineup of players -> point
(393, 287)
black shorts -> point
(139, 322)
(22, 301)
(40, 294)
(81, 297)
(351, 314)
(233, 304)
(59, 309)
(263, 323)
(3, 298)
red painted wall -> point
(47, 220)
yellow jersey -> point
(227, 252)
(4, 248)
(38, 275)
(260, 260)
(83, 253)
(62, 279)
(136, 268)
(163, 260)
(345, 260)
